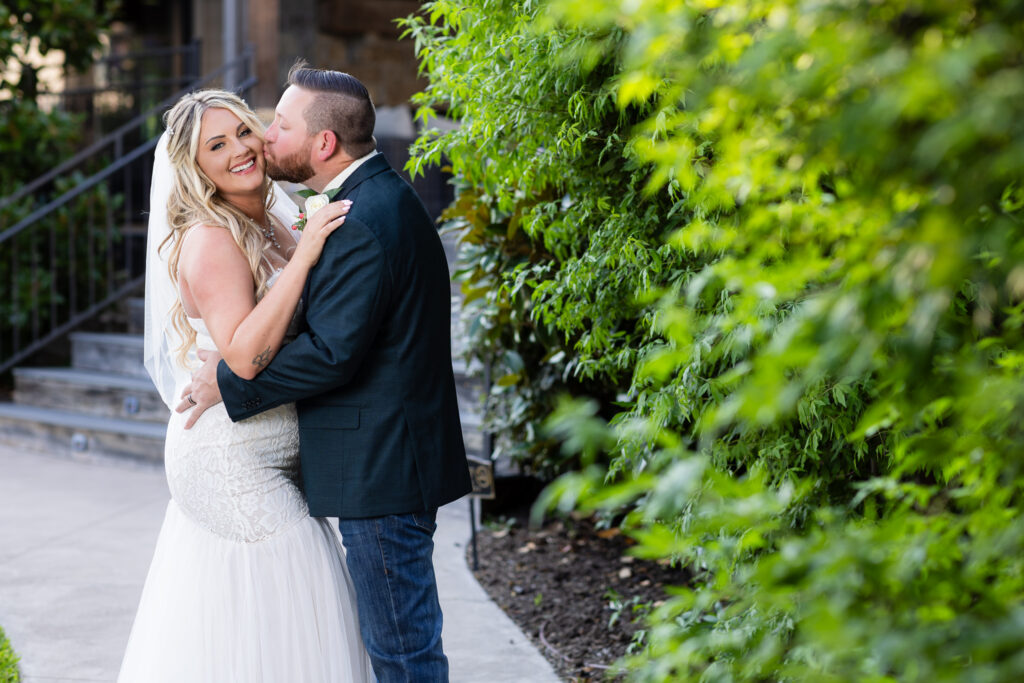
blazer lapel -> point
(373, 166)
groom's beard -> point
(292, 169)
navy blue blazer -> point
(372, 374)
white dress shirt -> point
(344, 175)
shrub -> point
(781, 244)
(553, 247)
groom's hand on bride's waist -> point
(203, 391)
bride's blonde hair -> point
(194, 198)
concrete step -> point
(119, 354)
(89, 391)
(74, 434)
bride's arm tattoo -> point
(262, 358)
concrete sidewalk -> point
(76, 539)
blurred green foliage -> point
(34, 140)
(43, 265)
(72, 27)
(779, 245)
(58, 266)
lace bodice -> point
(239, 480)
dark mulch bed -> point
(572, 588)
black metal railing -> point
(76, 239)
(125, 84)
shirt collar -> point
(347, 173)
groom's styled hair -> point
(342, 105)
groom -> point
(381, 443)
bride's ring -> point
(191, 400)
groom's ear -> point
(326, 145)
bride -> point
(244, 584)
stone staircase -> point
(104, 405)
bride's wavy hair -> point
(194, 197)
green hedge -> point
(779, 246)
(548, 191)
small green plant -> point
(8, 661)
(500, 524)
(635, 607)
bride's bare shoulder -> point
(207, 246)
(203, 236)
(205, 231)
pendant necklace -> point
(268, 232)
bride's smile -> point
(242, 168)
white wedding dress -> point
(245, 586)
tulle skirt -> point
(217, 610)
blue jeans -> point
(390, 560)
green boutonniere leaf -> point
(307, 193)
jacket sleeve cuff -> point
(235, 394)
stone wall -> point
(357, 36)
(385, 65)
(361, 38)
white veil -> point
(160, 339)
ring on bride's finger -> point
(191, 400)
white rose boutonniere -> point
(314, 202)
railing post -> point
(33, 286)
(109, 247)
(194, 60)
(90, 260)
(72, 271)
(231, 79)
(14, 302)
(53, 267)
